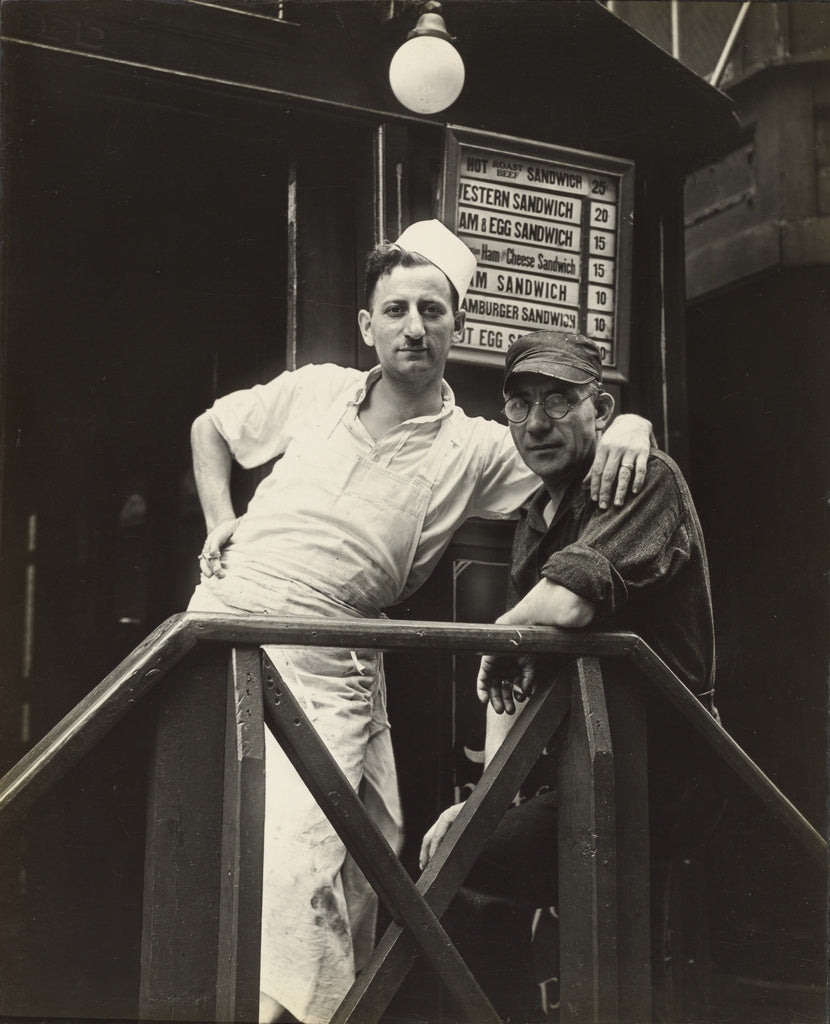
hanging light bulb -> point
(427, 72)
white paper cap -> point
(440, 246)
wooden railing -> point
(203, 853)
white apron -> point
(363, 522)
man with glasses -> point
(641, 568)
(375, 473)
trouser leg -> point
(491, 917)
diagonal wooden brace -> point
(379, 980)
(352, 822)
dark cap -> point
(569, 357)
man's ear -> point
(459, 317)
(604, 406)
(364, 322)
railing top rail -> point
(92, 718)
(82, 728)
(392, 634)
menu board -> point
(551, 230)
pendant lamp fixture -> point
(427, 72)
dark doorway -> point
(146, 273)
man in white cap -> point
(377, 472)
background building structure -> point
(758, 322)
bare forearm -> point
(212, 471)
(549, 604)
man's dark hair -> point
(383, 259)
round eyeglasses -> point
(556, 407)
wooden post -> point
(243, 820)
(203, 864)
(627, 715)
(587, 857)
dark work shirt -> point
(643, 566)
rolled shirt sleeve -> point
(621, 550)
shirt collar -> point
(573, 500)
(372, 376)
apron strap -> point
(427, 476)
(434, 459)
(330, 420)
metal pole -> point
(715, 77)
(675, 29)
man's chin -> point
(545, 463)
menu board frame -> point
(569, 282)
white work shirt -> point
(482, 475)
